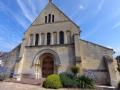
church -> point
(52, 45)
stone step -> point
(100, 87)
(27, 81)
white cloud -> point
(116, 25)
(33, 7)
(109, 47)
(16, 16)
(100, 5)
(28, 9)
(92, 32)
(5, 44)
(81, 7)
(19, 19)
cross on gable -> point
(50, 0)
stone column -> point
(37, 70)
(19, 77)
(21, 64)
(40, 72)
(65, 38)
(78, 61)
(39, 39)
(29, 41)
(58, 41)
(112, 70)
(33, 40)
(45, 40)
(52, 39)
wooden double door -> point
(47, 66)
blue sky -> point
(99, 20)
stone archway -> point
(42, 58)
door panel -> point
(47, 66)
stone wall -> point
(92, 60)
(65, 53)
(12, 59)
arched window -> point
(53, 18)
(61, 37)
(55, 37)
(31, 39)
(48, 38)
(49, 18)
(45, 19)
(36, 39)
(68, 37)
(42, 38)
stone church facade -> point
(52, 44)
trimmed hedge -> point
(53, 81)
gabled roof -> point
(96, 44)
(58, 10)
(64, 15)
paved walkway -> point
(18, 86)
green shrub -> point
(75, 70)
(2, 77)
(68, 81)
(119, 84)
(52, 81)
(3, 73)
(118, 68)
(85, 82)
(70, 75)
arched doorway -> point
(47, 65)
(44, 59)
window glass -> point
(61, 37)
(36, 39)
(45, 19)
(49, 16)
(48, 38)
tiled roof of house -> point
(3, 55)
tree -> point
(118, 62)
(118, 59)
